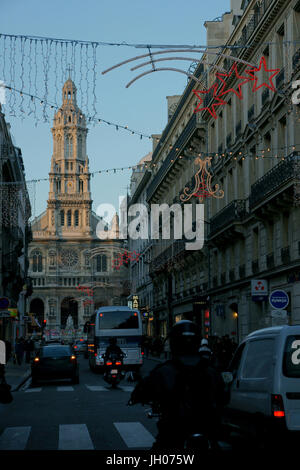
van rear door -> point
(291, 382)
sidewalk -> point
(15, 375)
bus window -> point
(118, 320)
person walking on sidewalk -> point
(19, 349)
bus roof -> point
(116, 307)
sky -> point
(143, 106)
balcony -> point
(251, 113)
(173, 155)
(270, 260)
(231, 275)
(255, 266)
(160, 261)
(265, 96)
(280, 79)
(233, 212)
(242, 271)
(273, 180)
(285, 255)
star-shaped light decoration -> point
(269, 85)
(218, 101)
(238, 91)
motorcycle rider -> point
(188, 392)
(114, 349)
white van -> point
(265, 390)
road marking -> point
(135, 434)
(30, 390)
(65, 389)
(126, 388)
(74, 437)
(97, 388)
(15, 438)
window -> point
(101, 263)
(69, 217)
(87, 259)
(37, 262)
(118, 320)
(52, 256)
(62, 217)
(236, 360)
(77, 218)
(259, 359)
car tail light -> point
(36, 359)
(277, 406)
(109, 363)
(73, 358)
(118, 363)
(75, 347)
(95, 354)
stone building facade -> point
(71, 267)
(252, 147)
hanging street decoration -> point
(217, 92)
(254, 77)
(202, 188)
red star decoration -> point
(212, 111)
(223, 90)
(255, 69)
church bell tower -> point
(69, 203)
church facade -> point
(72, 269)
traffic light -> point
(44, 322)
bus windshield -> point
(118, 320)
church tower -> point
(69, 204)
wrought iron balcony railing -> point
(271, 182)
(180, 142)
(235, 211)
(270, 260)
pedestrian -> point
(19, 349)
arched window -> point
(69, 95)
(62, 217)
(67, 146)
(101, 263)
(71, 147)
(76, 218)
(70, 119)
(37, 262)
(69, 217)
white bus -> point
(121, 322)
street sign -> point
(259, 289)
(5, 314)
(279, 314)
(4, 302)
(279, 299)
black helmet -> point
(184, 337)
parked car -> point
(264, 393)
(80, 346)
(55, 362)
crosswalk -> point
(77, 436)
(91, 388)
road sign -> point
(4, 303)
(259, 289)
(4, 314)
(279, 299)
(279, 314)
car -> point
(55, 361)
(80, 346)
(264, 387)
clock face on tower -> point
(69, 258)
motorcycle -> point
(113, 369)
(195, 441)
